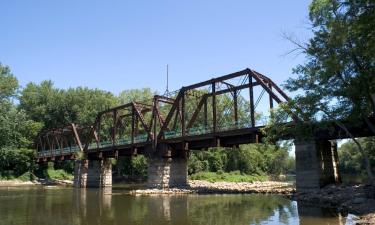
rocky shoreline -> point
(45, 182)
(355, 199)
(205, 187)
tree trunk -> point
(365, 157)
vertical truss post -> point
(205, 114)
(98, 131)
(155, 125)
(136, 121)
(235, 104)
(270, 96)
(176, 118)
(183, 113)
(214, 107)
(133, 125)
(252, 107)
(271, 99)
(114, 127)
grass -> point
(234, 176)
(58, 175)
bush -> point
(234, 176)
(133, 166)
(58, 174)
(15, 162)
(139, 165)
(28, 176)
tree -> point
(17, 130)
(55, 107)
(351, 159)
(143, 95)
(338, 77)
(8, 84)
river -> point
(69, 206)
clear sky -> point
(117, 45)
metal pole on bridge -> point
(373, 101)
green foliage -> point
(139, 166)
(27, 176)
(338, 77)
(197, 163)
(234, 176)
(55, 107)
(58, 174)
(143, 95)
(350, 159)
(132, 166)
(16, 130)
(15, 162)
(8, 83)
(252, 159)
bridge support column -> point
(167, 172)
(93, 173)
(80, 173)
(316, 164)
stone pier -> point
(316, 164)
(167, 172)
(93, 173)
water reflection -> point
(107, 206)
(311, 215)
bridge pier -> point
(316, 164)
(93, 173)
(167, 172)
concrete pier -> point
(316, 164)
(93, 173)
(167, 172)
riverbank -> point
(45, 182)
(205, 187)
(355, 199)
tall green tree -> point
(338, 79)
(56, 107)
(8, 83)
(17, 130)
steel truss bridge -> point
(218, 112)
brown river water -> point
(69, 206)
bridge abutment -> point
(93, 173)
(316, 164)
(167, 172)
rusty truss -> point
(224, 111)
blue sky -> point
(117, 45)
